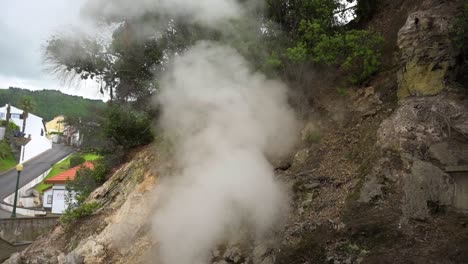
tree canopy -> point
(289, 32)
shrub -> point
(87, 180)
(356, 52)
(76, 160)
(11, 126)
(313, 137)
(299, 53)
(5, 150)
(72, 214)
(127, 128)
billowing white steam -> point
(224, 121)
(207, 12)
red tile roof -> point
(68, 175)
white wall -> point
(61, 199)
(34, 127)
(35, 147)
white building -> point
(34, 127)
(57, 197)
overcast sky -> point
(25, 26)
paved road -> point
(32, 169)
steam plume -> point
(224, 121)
(206, 12)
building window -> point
(49, 199)
(16, 116)
(2, 115)
(42, 132)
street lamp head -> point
(19, 167)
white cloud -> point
(25, 26)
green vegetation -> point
(71, 215)
(323, 40)
(11, 126)
(127, 128)
(87, 180)
(313, 137)
(76, 159)
(356, 52)
(49, 103)
(7, 159)
(63, 166)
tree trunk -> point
(24, 122)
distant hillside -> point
(51, 103)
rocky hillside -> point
(370, 180)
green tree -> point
(356, 52)
(319, 36)
(27, 105)
(127, 128)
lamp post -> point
(19, 168)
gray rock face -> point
(428, 57)
(443, 153)
(421, 130)
(382, 174)
(426, 185)
(420, 123)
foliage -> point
(72, 214)
(356, 52)
(299, 53)
(342, 91)
(7, 159)
(76, 160)
(49, 103)
(124, 68)
(11, 125)
(289, 33)
(27, 105)
(319, 36)
(313, 137)
(87, 180)
(127, 128)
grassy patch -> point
(61, 167)
(313, 137)
(7, 159)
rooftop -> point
(68, 175)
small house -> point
(57, 198)
(55, 128)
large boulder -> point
(428, 56)
(426, 188)
(422, 122)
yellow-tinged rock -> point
(422, 79)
